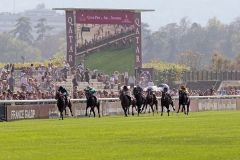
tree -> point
(13, 50)
(190, 59)
(23, 30)
(218, 62)
(42, 29)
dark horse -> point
(184, 101)
(166, 101)
(139, 99)
(151, 100)
(92, 103)
(125, 102)
(62, 103)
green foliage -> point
(23, 30)
(175, 38)
(202, 136)
(167, 72)
(120, 60)
(14, 50)
(42, 29)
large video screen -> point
(105, 40)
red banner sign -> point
(104, 17)
(70, 29)
(138, 41)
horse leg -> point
(139, 109)
(152, 109)
(156, 105)
(179, 106)
(184, 109)
(125, 109)
(132, 111)
(86, 111)
(188, 108)
(93, 112)
(173, 106)
(161, 110)
(98, 108)
(61, 114)
(146, 108)
(142, 108)
(168, 110)
(90, 112)
(70, 108)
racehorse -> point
(139, 99)
(184, 100)
(62, 103)
(151, 100)
(125, 102)
(166, 101)
(133, 104)
(92, 103)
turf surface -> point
(205, 135)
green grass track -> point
(200, 136)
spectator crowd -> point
(41, 82)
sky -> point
(166, 11)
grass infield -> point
(203, 135)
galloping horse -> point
(166, 101)
(184, 100)
(151, 100)
(125, 102)
(92, 103)
(62, 103)
(139, 99)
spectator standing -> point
(24, 82)
(86, 75)
(11, 83)
(74, 81)
(112, 81)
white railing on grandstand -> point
(114, 99)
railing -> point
(40, 101)
(47, 108)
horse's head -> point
(136, 91)
(57, 95)
(87, 93)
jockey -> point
(64, 92)
(166, 88)
(139, 89)
(92, 91)
(183, 89)
(125, 91)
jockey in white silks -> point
(165, 87)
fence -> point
(38, 109)
(211, 76)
